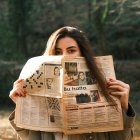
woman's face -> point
(81, 76)
(67, 46)
(56, 71)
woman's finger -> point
(118, 82)
(18, 92)
(116, 87)
(21, 92)
(18, 81)
(115, 93)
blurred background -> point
(112, 26)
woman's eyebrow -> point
(71, 47)
(57, 49)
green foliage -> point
(111, 26)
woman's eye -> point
(58, 53)
(71, 51)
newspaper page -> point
(43, 76)
(42, 108)
(39, 113)
(85, 107)
(74, 103)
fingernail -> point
(25, 91)
(20, 80)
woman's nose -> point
(65, 53)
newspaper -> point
(62, 97)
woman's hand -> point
(121, 90)
(17, 90)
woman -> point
(73, 42)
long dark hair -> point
(85, 48)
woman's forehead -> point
(67, 41)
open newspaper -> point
(64, 97)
